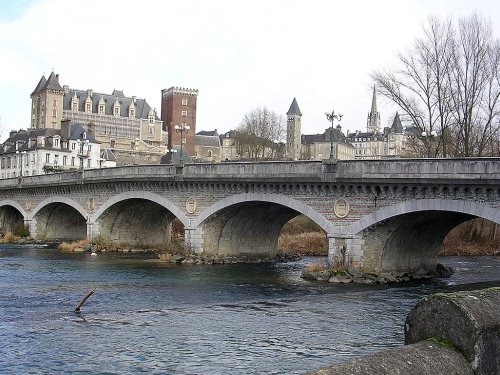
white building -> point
(40, 151)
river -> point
(156, 318)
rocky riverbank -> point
(319, 273)
(191, 258)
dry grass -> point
(311, 243)
(72, 246)
(9, 237)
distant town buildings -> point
(73, 129)
(374, 143)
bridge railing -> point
(486, 170)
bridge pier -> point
(345, 251)
(193, 239)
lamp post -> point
(82, 143)
(181, 129)
(332, 117)
(430, 137)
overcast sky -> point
(239, 54)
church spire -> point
(373, 121)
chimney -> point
(65, 128)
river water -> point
(156, 318)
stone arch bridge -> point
(377, 215)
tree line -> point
(448, 82)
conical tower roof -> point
(397, 126)
(53, 82)
(374, 102)
(294, 108)
(41, 83)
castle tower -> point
(47, 103)
(293, 131)
(373, 121)
(178, 107)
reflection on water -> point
(153, 317)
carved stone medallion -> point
(191, 205)
(341, 208)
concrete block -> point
(468, 319)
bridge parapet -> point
(424, 170)
(419, 171)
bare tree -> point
(260, 133)
(448, 82)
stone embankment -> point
(359, 277)
(446, 333)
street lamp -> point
(332, 117)
(181, 129)
(430, 137)
(83, 143)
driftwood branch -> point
(77, 310)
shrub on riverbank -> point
(308, 244)
(303, 236)
(73, 246)
(474, 237)
(10, 237)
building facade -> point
(116, 121)
(47, 150)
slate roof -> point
(41, 83)
(294, 108)
(337, 135)
(207, 140)
(107, 154)
(208, 132)
(23, 136)
(142, 108)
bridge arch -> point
(146, 195)
(12, 214)
(138, 219)
(249, 224)
(59, 218)
(407, 236)
(282, 200)
(448, 205)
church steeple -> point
(373, 121)
(293, 131)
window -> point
(56, 159)
(56, 142)
(54, 113)
(151, 130)
(73, 161)
(88, 163)
(47, 158)
(73, 146)
(87, 107)
(184, 101)
(132, 113)
(151, 119)
(184, 112)
(209, 153)
(74, 106)
(54, 103)
(112, 144)
(117, 111)
(65, 160)
(101, 109)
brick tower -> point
(178, 107)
